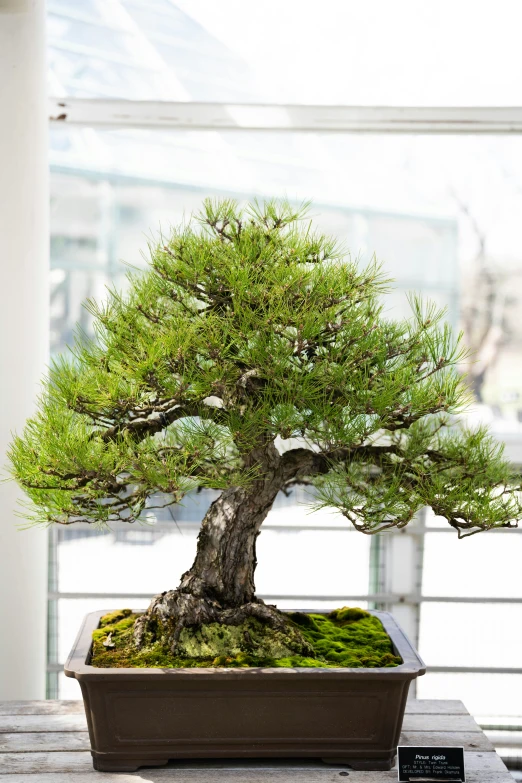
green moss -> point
(347, 637)
(114, 617)
(251, 638)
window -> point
(440, 211)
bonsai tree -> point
(251, 357)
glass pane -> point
(132, 559)
(439, 211)
(312, 563)
(453, 634)
(373, 53)
(147, 559)
(486, 696)
(481, 565)
(68, 688)
(142, 51)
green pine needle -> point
(247, 326)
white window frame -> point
(192, 115)
(155, 115)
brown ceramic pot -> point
(146, 717)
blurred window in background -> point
(440, 211)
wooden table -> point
(47, 742)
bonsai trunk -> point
(223, 570)
(219, 587)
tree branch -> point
(158, 419)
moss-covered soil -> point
(347, 637)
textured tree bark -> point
(223, 570)
(225, 562)
(219, 587)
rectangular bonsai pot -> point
(146, 717)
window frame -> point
(176, 115)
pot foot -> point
(125, 765)
(362, 764)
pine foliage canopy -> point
(247, 326)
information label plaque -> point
(430, 763)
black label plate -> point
(430, 763)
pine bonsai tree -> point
(249, 358)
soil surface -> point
(347, 637)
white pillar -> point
(403, 567)
(24, 340)
(401, 562)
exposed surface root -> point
(172, 612)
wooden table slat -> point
(47, 742)
(244, 776)
(435, 707)
(440, 723)
(25, 742)
(43, 765)
(47, 707)
(465, 739)
(49, 723)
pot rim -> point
(77, 664)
